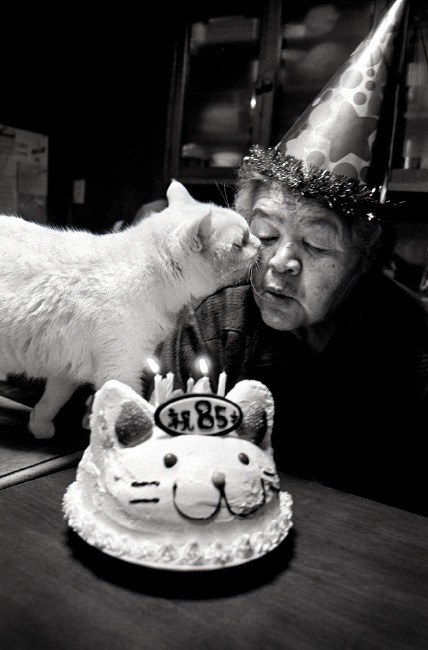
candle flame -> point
(203, 366)
(153, 365)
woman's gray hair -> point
(374, 239)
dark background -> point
(98, 85)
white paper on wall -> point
(23, 173)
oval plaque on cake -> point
(198, 413)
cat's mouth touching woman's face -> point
(243, 248)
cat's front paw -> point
(39, 428)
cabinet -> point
(226, 62)
(409, 171)
(244, 72)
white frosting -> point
(178, 500)
(168, 552)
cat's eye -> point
(244, 458)
(170, 460)
(244, 241)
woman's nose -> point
(286, 260)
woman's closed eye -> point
(267, 236)
(315, 246)
(266, 240)
(264, 230)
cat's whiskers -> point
(257, 293)
(223, 194)
(247, 272)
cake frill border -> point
(189, 556)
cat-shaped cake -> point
(80, 308)
(159, 497)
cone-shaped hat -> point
(339, 144)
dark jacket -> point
(353, 416)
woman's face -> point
(308, 261)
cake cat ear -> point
(257, 405)
(134, 424)
(120, 416)
(176, 193)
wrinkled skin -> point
(308, 263)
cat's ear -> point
(120, 417)
(257, 406)
(200, 231)
(177, 193)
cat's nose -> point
(218, 479)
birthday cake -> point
(190, 484)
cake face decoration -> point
(196, 499)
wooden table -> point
(22, 456)
(353, 574)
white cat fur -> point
(78, 308)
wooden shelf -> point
(207, 175)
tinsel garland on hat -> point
(344, 195)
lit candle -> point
(203, 366)
(203, 384)
(221, 388)
(154, 367)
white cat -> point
(79, 308)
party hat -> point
(336, 151)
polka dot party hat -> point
(336, 149)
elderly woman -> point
(342, 347)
